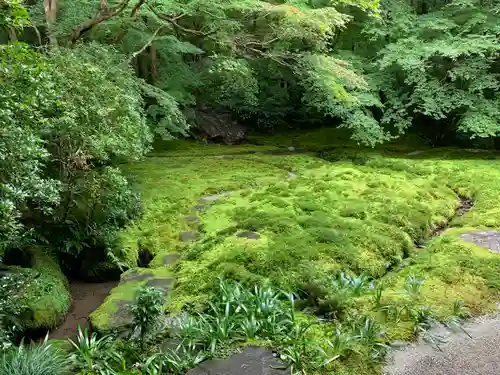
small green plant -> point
(413, 286)
(91, 352)
(340, 344)
(42, 359)
(147, 310)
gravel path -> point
(461, 355)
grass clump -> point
(43, 359)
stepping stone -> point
(200, 207)
(252, 361)
(249, 235)
(135, 276)
(163, 284)
(413, 153)
(192, 219)
(214, 197)
(170, 259)
(488, 239)
(189, 236)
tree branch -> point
(102, 15)
(173, 22)
(151, 40)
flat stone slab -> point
(163, 284)
(189, 236)
(488, 239)
(200, 208)
(136, 276)
(413, 153)
(170, 259)
(249, 235)
(214, 197)
(192, 219)
(252, 361)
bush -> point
(62, 141)
(34, 359)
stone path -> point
(86, 298)
(462, 355)
(488, 239)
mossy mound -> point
(45, 298)
(341, 217)
(113, 316)
(169, 196)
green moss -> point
(46, 298)
(112, 314)
(355, 211)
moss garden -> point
(328, 255)
(363, 244)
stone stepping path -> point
(192, 219)
(252, 361)
(189, 236)
(248, 235)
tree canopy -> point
(88, 84)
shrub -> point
(147, 310)
(62, 141)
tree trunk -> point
(50, 7)
(12, 34)
(152, 52)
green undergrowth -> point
(348, 212)
(333, 138)
(45, 299)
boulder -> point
(219, 127)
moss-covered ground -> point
(350, 210)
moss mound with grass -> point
(45, 298)
(114, 314)
(355, 233)
(341, 217)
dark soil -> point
(86, 298)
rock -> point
(413, 153)
(249, 235)
(292, 176)
(189, 236)
(218, 127)
(488, 239)
(135, 275)
(252, 361)
(192, 219)
(163, 284)
(214, 197)
(170, 259)
(200, 208)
